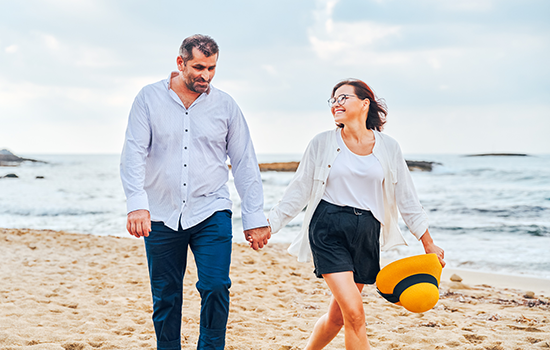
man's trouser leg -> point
(167, 260)
(211, 246)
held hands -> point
(139, 223)
(257, 237)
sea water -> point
(489, 213)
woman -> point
(353, 180)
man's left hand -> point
(258, 237)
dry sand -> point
(72, 291)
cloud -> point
(467, 5)
(341, 41)
(270, 69)
(11, 49)
(50, 42)
(421, 54)
(78, 55)
(84, 8)
(27, 100)
(463, 129)
(66, 62)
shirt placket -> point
(186, 142)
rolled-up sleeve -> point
(132, 163)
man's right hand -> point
(139, 223)
(258, 237)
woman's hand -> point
(431, 248)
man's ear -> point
(180, 63)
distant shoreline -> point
(498, 155)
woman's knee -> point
(355, 318)
(336, 319)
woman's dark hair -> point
(377, 110)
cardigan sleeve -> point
(297, 194)
(408, 204)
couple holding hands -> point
(353, 180)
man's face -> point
(198, 72)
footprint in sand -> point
(474, 339)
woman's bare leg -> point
(326, 328)
(345, 309)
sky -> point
(459, 77)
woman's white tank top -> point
(356, 181)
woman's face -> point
(350, 106)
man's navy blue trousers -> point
(210, 242)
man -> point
(180, 132)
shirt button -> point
(338, 150)
(184, 184)
(186, 112)
(184, 165)
(186, 130)
(329, 165)
(185, 147)
(183, 201)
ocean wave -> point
(516, 211)
(527, 229)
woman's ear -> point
(366, 103)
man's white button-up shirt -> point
(174, 158)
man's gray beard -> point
(192, 87)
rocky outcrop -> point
(282, 166)
(421, 165)
(9, 159)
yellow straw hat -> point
(412, 282)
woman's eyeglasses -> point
(341, 100)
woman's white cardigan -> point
(308, 186)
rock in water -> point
(7, 156)
(9, 159)
(529, 295)
(421, 165)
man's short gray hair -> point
(203, 43)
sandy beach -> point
(64, 291)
